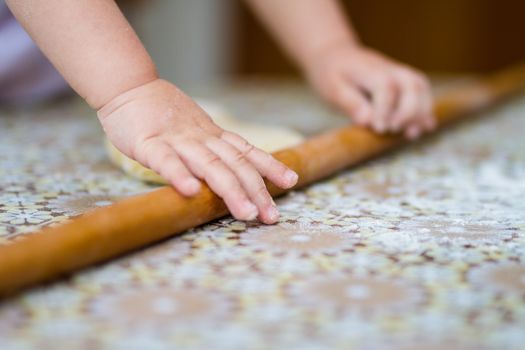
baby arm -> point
(149, 119)
(374, 90)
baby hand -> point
(160, 127)
(376, 91)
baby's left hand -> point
(375, 91)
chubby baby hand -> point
(163, 129)
(375, 91)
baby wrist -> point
(317, 55)
(123, 98)
(97, 96)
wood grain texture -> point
(135, 222)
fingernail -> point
(414, 135)
(251, 211)
(395, 126)
(273, 214)
(291, 177)
(362, 113)
(193, 185)
(379, 127)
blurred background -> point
(198, 42)
(210, 40)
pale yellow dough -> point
(268, 138)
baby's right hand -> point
(163, 129)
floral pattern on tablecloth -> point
(421, 249)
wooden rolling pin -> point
(141, 220)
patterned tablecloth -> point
(421, 249)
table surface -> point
(424, 247)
